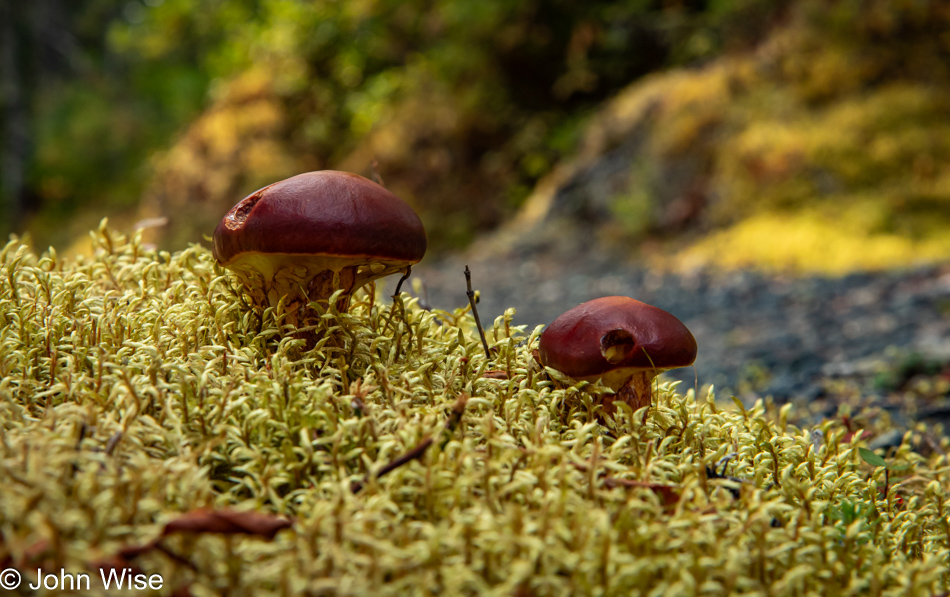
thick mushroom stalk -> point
(307, 237)
(621, 342)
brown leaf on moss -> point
(227, 522)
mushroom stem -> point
(326, 283)
(638, 390)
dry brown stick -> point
(471, 299)
(401, 280)
(419, 450)
(397, 301)
(664, 490)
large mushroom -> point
(313, 234)
(622, 342)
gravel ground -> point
(758, 335)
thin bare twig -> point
(401, 280)
(419, 450)
(397, 301)
(471, 299)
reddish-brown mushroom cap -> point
(617, 339)
(319, 231)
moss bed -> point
(138, 387)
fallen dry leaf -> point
(228, 522)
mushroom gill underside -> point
(308, 278)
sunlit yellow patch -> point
(826, 241)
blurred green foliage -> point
(506, 84)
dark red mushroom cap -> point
(616, 334)
(322, 213)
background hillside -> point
(694, 130)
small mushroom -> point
(313, 234)
(622, 342)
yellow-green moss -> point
(136, 386)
